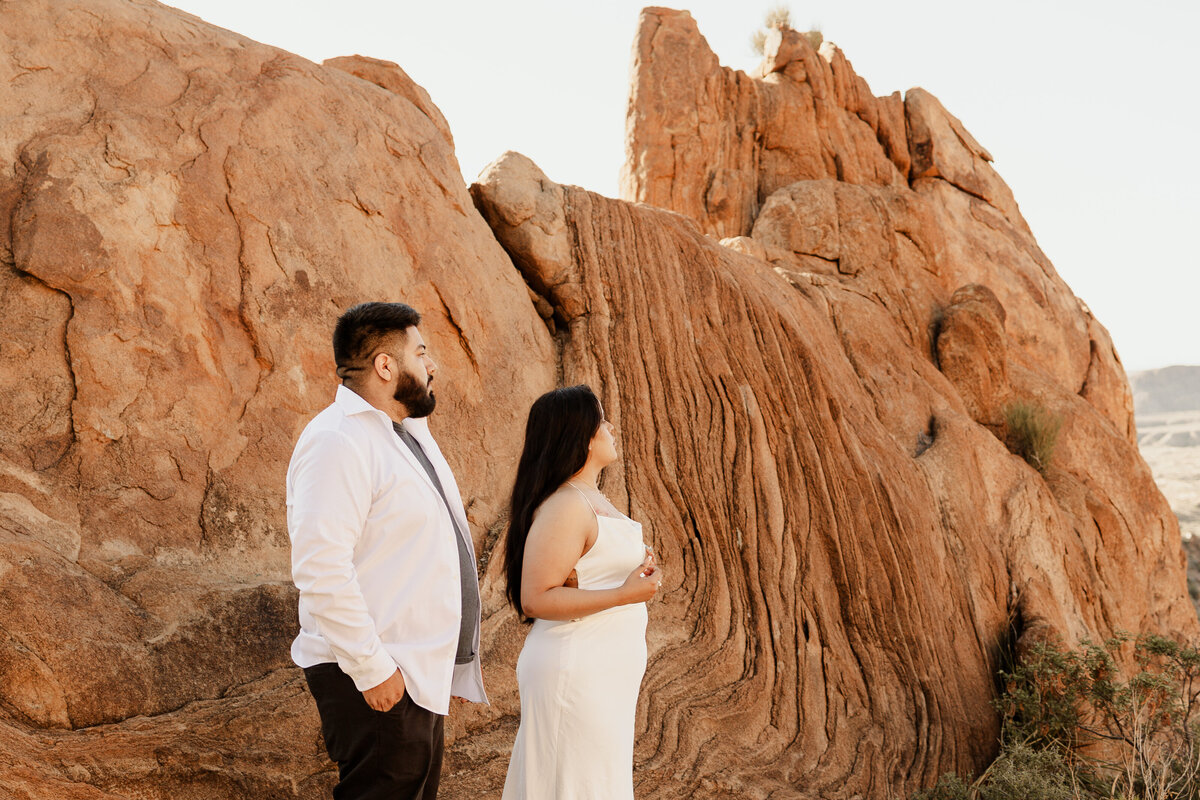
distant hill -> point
(1166, 390)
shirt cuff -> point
(374, 671)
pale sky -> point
(1088, 108)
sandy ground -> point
(1170, 443)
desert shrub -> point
(948, 787)
(1076, 725)
(1031, 432)
(1137, 734)
(1153, 719)
(1022, 772)
(1044, 696)
(780, 17)
(758, 42)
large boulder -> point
(185, 213)
(972, 351)
(946, 312)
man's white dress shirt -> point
(374, 555)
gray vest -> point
(465, 653)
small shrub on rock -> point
(780, 17)
(1031, 432)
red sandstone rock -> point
(805, 116)
(941, 147)
(850, 542)
(882, 260)
(972, 351)
(714, 143)
(186, 212)
(390, 76)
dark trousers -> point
(381, 755)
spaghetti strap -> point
(586, 499)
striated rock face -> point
(852, 547)
(849, 353)
(807, 409)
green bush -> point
(1031, 433)
(1020, 772)
(1044, 695)
(1075, 725)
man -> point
(382, 556)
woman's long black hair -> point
(561, 424)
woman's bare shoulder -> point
(565, 506)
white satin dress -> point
(579, 684)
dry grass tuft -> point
(779, 17)
(1031, 432)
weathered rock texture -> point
(854, 547)
(802, 156)
(183, 214)
(847, 541)
(825, 395)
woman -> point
(579, 569)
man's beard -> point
(415, 397)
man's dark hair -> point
(359, 331)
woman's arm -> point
(556, 540)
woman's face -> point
(603, 446)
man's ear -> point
(382, 368)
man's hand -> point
(386, 694)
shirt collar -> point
(351, 402)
